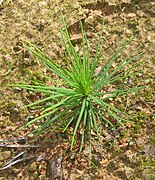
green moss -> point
(37, 74)
(123, 133)
(37, 77)
(148, 163)
(152, 139)
(136, 129)
(133, 25)
(143, 115)
(148, 94)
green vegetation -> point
(81, 98)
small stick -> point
(20, 146)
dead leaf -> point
(104, 162)
(97, 70)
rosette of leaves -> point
(81, 99)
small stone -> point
(126, 1)
(130, 15)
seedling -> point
(80, 98)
